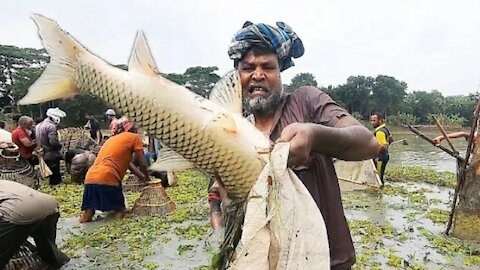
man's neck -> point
(264, 123)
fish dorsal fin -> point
(227, 92)
(141, 60)
(223, 121)
(169, 160)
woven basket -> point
(153, 201)
(74, 138)
(15, 169)
(26, 258)
(133, 183)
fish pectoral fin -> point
(141, 61)
(169, 160)
(57, 80)
(224, 121)
(227, 92)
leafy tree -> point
(423, 104)
(388, 93)
(201, 79)
(301, 79)
(461, 105)
(355, 94)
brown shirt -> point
(310, 105)
(20, 204)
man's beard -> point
(263, 106)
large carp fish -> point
(209, 134)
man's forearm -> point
(348, 143)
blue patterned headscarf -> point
(280, 39)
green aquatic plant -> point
(192, 231)
(395, 261)
(402, 173)
(438, 215)
(183, 249)
(68, 196)
(125, 243)
(450, 246)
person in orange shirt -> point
(103, 188)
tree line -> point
(360, 95)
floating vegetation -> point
(68, 196)
(438, 215)
(183, 249)
(126, 243)
(453, 247)
(401, 173)
(192, 231)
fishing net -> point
(153, 201)
(283, 227)
(18, 170)
(26, 258)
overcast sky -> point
(429, 44)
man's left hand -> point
(300, 136)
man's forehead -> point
(251, 58)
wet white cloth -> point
(283, 227)
(5, 136)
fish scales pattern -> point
(236, 172)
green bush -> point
(450, 119)
(402, 119)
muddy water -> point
(390, 228)
(418, 152)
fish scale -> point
(171, 131)
(215, 139)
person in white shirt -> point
(5, 136)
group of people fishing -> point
(317, 128)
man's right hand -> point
(438, 140)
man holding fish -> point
(211, 134)
(316, 127)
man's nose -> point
(258, 74)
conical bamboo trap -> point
(74, 138)
(26, 258)
(133, 183)
(153, 201)
(15, 169)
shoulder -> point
(306, 92)
(310, 95)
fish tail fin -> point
(57, 80)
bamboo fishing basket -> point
(74, 138)
(133, 183)
(13, 168)
(26, 258)
(153, 201)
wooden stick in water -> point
(462, 174)
(432, 142)
(442, 130)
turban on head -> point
(56, 114)
(281, 40)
